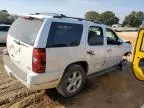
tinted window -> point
(25, 30)
(95, 36)
(112, 38)
(4, 28)
(64, 35)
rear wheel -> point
(72, 81)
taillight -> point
(39, 60)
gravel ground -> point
(13, 94)
(114, 90)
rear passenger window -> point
(95, 36)
(64, 35)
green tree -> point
(134, 19)
(6, 18)
(3, 16)
(92, 15)
(109, 18)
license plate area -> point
(14, 51)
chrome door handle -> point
(109, 50)
(91, 52)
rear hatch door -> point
(21, 39)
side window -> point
(112, 38)
(4, 28)
(64, 35)
(95, 36)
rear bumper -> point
(27, 79)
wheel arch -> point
(127, 53)
(84, 64)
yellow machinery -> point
(138, 59)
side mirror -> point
(119, 42)
(128, 42)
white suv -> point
(48, 51)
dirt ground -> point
(114, 90)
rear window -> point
(64, 35)
(4, 28)
(25, 30)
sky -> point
(74, 8)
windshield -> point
(25, 30)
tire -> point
(72, 81)
(123, 65)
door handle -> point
(109, 50)
(91, 52)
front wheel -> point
(123, 65)
(72, 81)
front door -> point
(95, 49)
(113, 49)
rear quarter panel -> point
(57, 59)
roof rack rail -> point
(46, 13)
(80, 19)
(55, 15)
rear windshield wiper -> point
(17, 42)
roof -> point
(55, 15)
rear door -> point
(21, 39)
(64, 44)
(95, 48)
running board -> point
(103, 72)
